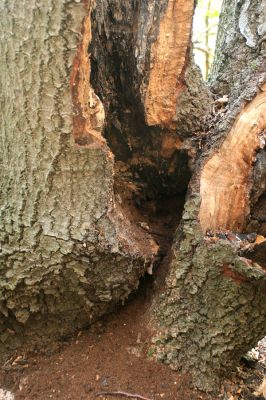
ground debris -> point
(99, 359)
(248, 383)
(261, 391)
(123, 394)
(6, 395)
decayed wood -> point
(168, 62)
(225, 179)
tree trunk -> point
(103, 118)
(89, 141)
(68, 250)
(212, 309)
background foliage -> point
(205, 27)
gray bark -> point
(72, 211)
(67, 252)
(70, 249)
(212, 309)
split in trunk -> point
(106, 163)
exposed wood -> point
(88, 111)
(168, 62)
(225, 179)
(77, 225)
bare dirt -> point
(112, 355)
(115, 353)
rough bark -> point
(212, 308)
(101, 125)
(75, 77)
(67, 252)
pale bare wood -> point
(168, 59)
(226, 177)
(89, 115)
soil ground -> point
(113, 355)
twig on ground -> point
(123, 394)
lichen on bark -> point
(211, 310)
(72, 74)
(70, 247)
(68, 253)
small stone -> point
(139, 338)
(104, 381)
(144, 225)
